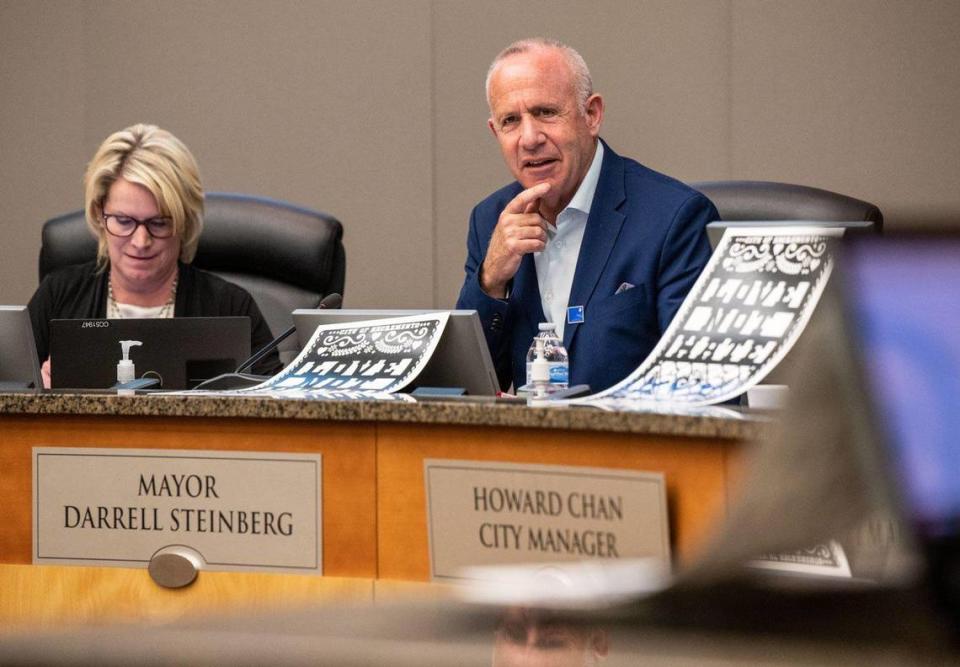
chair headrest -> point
(284, 242)
(768, 200)
(65, 240)
(241, 234)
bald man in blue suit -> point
(602, 246)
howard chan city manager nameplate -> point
(483, 513)
(240, 511)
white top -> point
(131, 312)
(558, 262)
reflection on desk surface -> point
(739, 625)
(529, 637)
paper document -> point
(356, 361)
(742, 316)
(826, 560)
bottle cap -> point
(548, 326)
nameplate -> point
(482, 513)
(241, 511)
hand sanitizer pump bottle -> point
(126, 371)
(540, 370)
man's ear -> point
(594, 113)
(492, 127)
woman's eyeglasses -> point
(124, 225)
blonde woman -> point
(144, 204)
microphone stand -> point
(329, 301)
(265, 350)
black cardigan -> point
(79, 292)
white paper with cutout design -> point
(744, 313)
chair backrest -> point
(767, 200)
(286, 256)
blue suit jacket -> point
(645, 229)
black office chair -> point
(286, 256)
(767, 200)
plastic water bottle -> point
(555, 354)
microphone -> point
(332, 301)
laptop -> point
(19, 368)
(179, 352)
(461, 359)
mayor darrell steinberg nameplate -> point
(487, 513)
(240, 511)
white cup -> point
(767, 396)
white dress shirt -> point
(558, 261)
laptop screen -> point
(904, 300)
(180, 352)
(19, 368)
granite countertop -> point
(712, 423)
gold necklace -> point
(113, 308)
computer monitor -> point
(715, 230)
(460, 360)
(180, 352)
(902, 318)
(19, 367)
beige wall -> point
(374, 111)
